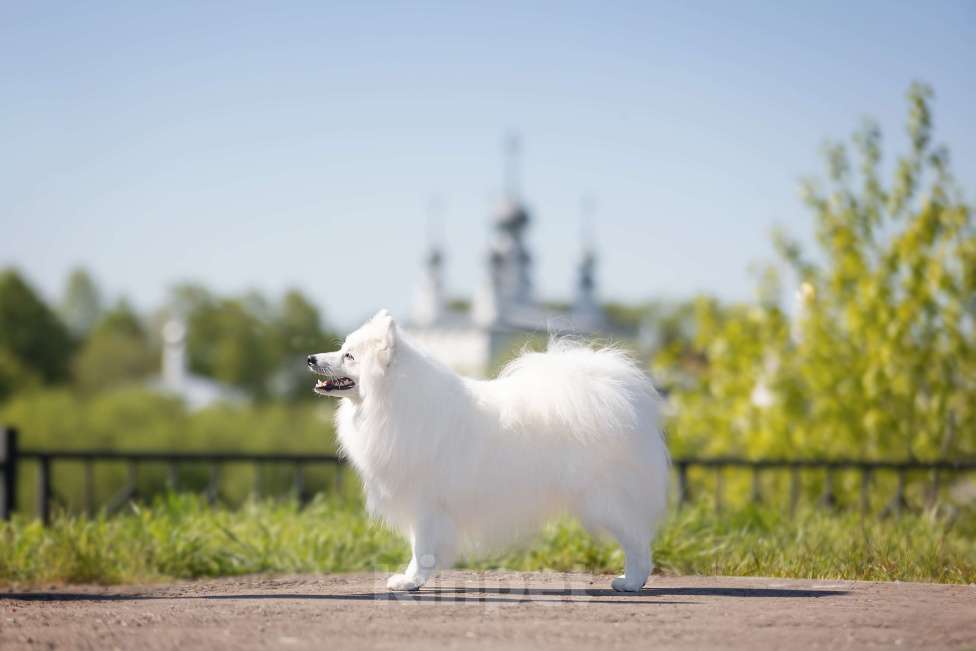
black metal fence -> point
(938, 472)
(12, 456)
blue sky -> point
(269, 145)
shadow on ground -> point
(464, 595)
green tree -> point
(251, 342)
(298, 332)
(186, 298)
(33, 337)
(880, 358)
(228, 343)
(81, 305)
(14, 376)
(116, 352)
(299, 326)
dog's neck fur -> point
(370, 430)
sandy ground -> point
(490, 610)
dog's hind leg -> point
(434, 547)
(637, 564)
(601, 515)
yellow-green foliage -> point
(881, 361)
(179, 536)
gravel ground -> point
(489, 610)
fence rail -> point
(866, 469)
(12, 456)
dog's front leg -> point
(432, 542)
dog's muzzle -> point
(331, 383)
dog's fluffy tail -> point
(600, 401)
(592, 392)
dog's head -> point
(365, 355)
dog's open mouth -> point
(339, 384)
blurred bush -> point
(878, 359)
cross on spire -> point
(587, 221)
(513, 151)
(435, 227)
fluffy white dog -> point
(460, 464)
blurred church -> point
(196, 391)
(505, 309)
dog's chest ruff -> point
(369, 444)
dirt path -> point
(491, 610)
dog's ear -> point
(385, 330)
(381, 316)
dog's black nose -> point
(310, 360)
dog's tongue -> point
(339, 384)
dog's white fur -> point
(457, 464)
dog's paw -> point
(621, 584)
(403, 582)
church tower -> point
(428, 305)
(174, 354)
(509, 260)
(505, 308)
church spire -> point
(512, 159)
(509, 259)
(586, 311)
(429, 301)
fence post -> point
(684, 490)
(256, 486)
(898, 503)
(828, 499)
(718, 489)
(213, 484)
(44, 489)
(172, 476)
(865, 490)
(299, 484)
(756, 485)
(794, 489)
(933, 496)
(90, 488)
(8, 464)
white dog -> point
(461, 464)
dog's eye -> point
(349, 357)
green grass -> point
(179, 536)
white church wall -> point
(466, 350)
